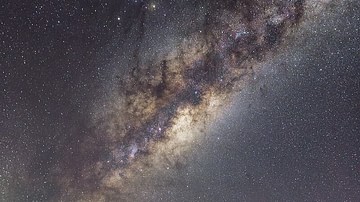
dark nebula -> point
(237, 35)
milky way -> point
(164, 103)
(106, 100)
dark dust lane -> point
(161, 101)
(167, 101)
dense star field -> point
(163, 100)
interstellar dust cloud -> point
(165, 103)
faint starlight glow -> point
(151, 7)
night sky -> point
(164, 100)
